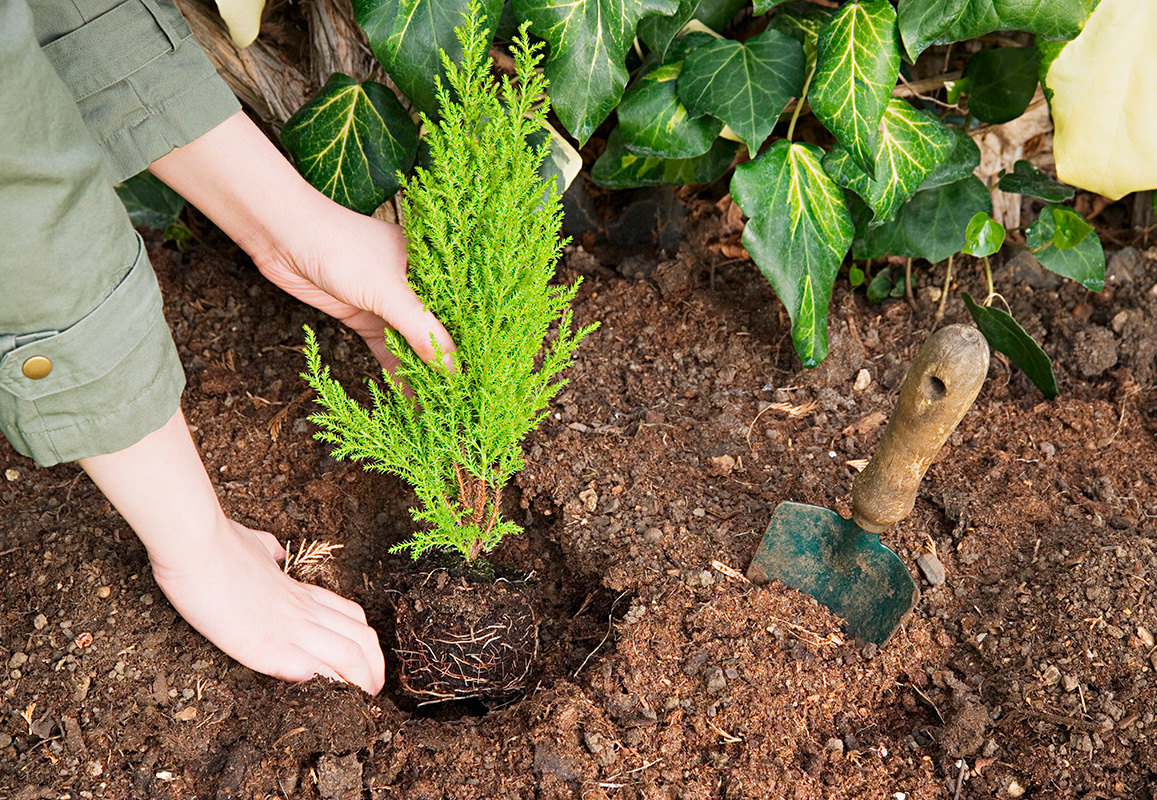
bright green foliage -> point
(856, 70)
(619, 168)
(1000, 83)
(1027, 179)
(798, 234)
(1007, 336)
(653, 120)
(588, 40)
(744, 84)
(983, 236)
(482, 243)
(407, 36)
(1083, 260)
(912, 144)
(352, 141)
(928, 22)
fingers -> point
(413, 321)
(349, 658)
(337, 603)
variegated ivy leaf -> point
(912, 144)
(798, 234)
(588, 40)
(856, 70)
(407, 35)
(652, 119)
(351, 141)
(619, 168)
(659, 32)
(745, 84)
(961, 162)
(803, 24)
(928, 22)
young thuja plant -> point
(482, 230)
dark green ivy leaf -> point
(588, 40)
(745, 84)
(1001, 83)
(929, 226)
(983, 236)
(150, 202)
(798, 235)
(659, 32)
(763, 6)
(351, 141)
(654, 122)
(619, 168)
(856, 70)
(911, 145)
(406, 36)
(1083, 263)
(960, 163)
(803, 24)
(1005, 335)
(1027, 179)
(928, 22)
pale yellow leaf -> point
(1105, 101)
(242, 18)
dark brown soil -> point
(664, 674)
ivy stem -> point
(908, 283)
(988, 280)
(799, 103)
(944, 294)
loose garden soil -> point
(663, 673)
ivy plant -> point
(683, 90)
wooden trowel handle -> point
(941, 384)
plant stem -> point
(988, 280)
(908, 282)
(944, 294)
(799, 103)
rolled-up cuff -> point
(142, 83)
(98, 386)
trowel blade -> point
(818, 552)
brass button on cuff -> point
(36, 368)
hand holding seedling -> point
(348, 265)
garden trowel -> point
(841, 562)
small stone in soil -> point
(1145, 636)
(932, 568)
(863, 380)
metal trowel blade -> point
(818, 552)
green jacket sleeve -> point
(141, 82)
(87, 365)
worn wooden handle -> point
(941, 384)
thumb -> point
(410, 318)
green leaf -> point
(798, 234)
(654, 122)
(619, 168)
(659, 32)
(763, 6)
(804, 26)
(888, 282)
(1027, 179)
(983, 236)
(1001, 83)
(911, 145)
(1071, 227)
(929, 226)
(351, 141)
(588, 40)
(150, 202)
(1005, 335)
(1083, 263)
(960, 163)
(855, 275)
(856, 71)
(745, 84)
(407, 35)
(928, 22)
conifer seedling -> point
(482, 230)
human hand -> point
(223, 578)
(348, 265)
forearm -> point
(160, 487)
(239, 180)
